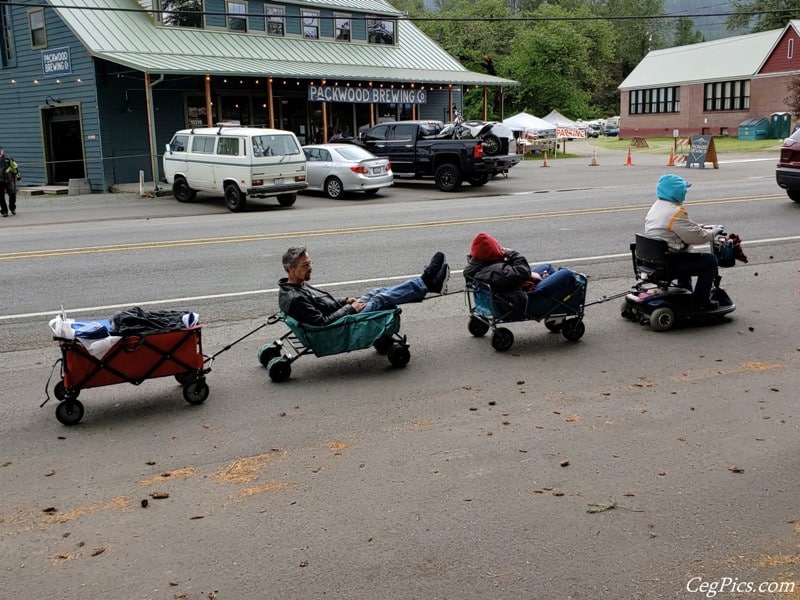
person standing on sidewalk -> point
(8, 184)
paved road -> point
(466, 475)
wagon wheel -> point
(280, 370)
(267, 352)
(196, 391)
(573, 330)
(554, 326)
(502, 339)
(399, 355)
(60, 391)
(184, 378)
(626, 312)
(383, 344)
(477, 327)
(69, 412)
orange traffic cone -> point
(671, 161)
(629, 160)
(544, 164)
(594, 162)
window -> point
(404, 132)
(36, 23)
(178, 143)
(182, 13)
(276, 24)
(275, 145)
(790, 49)
(310, 25)
(341, 29)
(228, 146)
(380, 30)
(377, 133)
(237, 17)
(8, 34)
(657, 100)
(203, 144)
(727, 95)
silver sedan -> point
(339, 168)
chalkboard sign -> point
(702, 151)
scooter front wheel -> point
(662, 319)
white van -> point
(235, 162)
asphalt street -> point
(628, 465)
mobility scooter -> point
(656, 299)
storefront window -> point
(196, 111)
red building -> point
(711, 87)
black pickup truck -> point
(422, 149)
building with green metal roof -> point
(93, 89)
(712, 87)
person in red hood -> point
(511, 277)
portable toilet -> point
(756, 128)
(780, 125)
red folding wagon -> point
(131, 358)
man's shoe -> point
(430, 272)
(710, 305)
(438, 284)
(5, 214)
(13, 212)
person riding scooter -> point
(668, 220)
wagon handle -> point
(608, 298)
(232, 344)
(47, 384)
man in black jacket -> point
(8, 185)
(313, 306)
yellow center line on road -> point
(351, 230)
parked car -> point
(787, 173)
(418, 149)
(235, 162)
(594, 130)
(342, 167)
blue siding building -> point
(94, 89)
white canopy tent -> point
(527, 123)
(565, 128)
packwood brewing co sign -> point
(56, 62)
(361, 95)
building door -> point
(63, 144)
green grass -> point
(662, 145)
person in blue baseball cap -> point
(668, 220)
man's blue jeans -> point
(412, 290)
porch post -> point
(151, 125)
(271, 104)
(324, 122)
(209, 116)
(450, 101)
